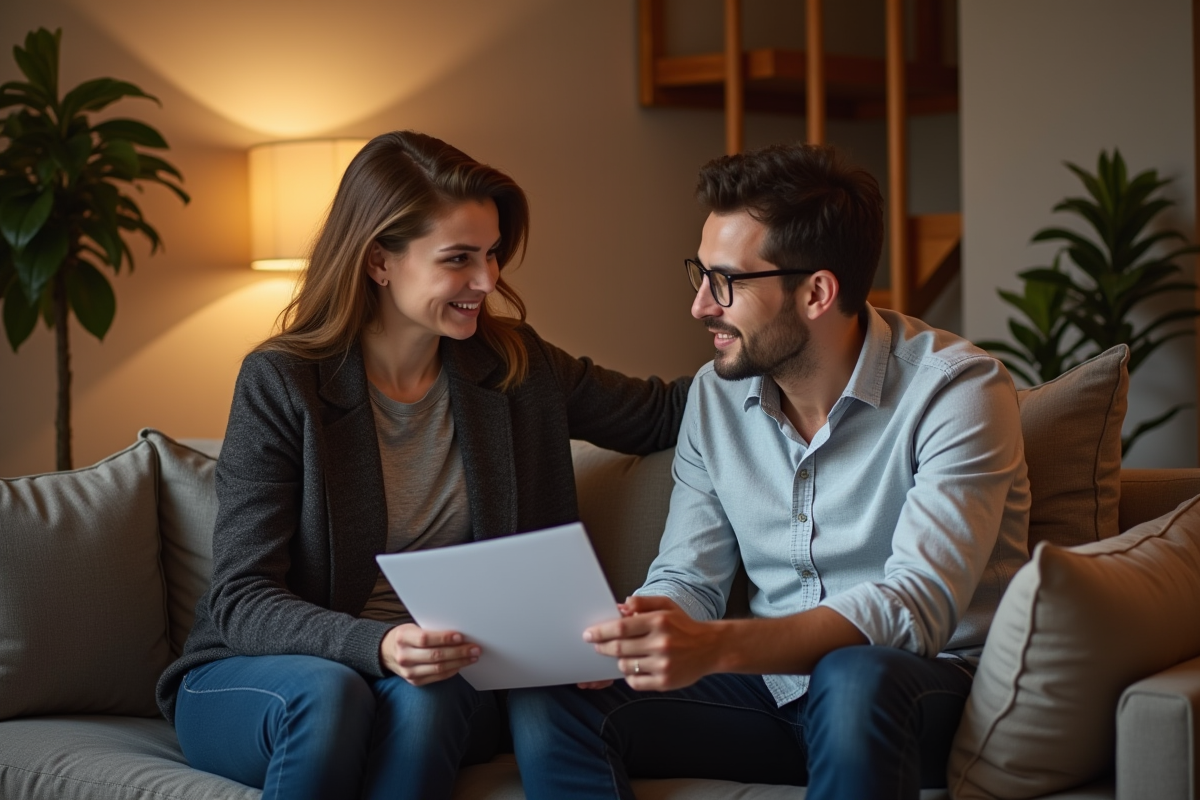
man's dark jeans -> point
(876, 722)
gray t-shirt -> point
(423, 481)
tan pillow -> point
(1072, 431)
(1076, 626)
(83, 622)
(623, 502)
(187, 512)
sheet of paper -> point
(524, 599)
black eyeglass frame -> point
(731, 277)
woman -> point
(394, 411)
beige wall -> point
(1054, 80)
(541, 88)
(547, 93)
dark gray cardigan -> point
(301, 511)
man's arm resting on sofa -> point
(1158, 735)
(672, 650)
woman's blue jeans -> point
(876, 723)
(304, 727)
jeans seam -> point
(286, 717)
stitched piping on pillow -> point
(1011, 700)
(1096, 457)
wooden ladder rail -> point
(897, 148)
(814, 80)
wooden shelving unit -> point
(925, 250)
(776, 81)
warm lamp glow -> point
(291, 187)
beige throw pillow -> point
(1076, 626)
(83, 622)
(1072, 431)
(625, 535)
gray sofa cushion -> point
(83, 622)
(103, 758)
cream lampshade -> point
(291, 187)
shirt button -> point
(804, 474)
(807, 573)
(802, 517)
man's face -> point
(760, 333)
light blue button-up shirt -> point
(907, 513)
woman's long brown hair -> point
(392, 192)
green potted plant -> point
(63, 214)
(1077, 313)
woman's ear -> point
(377, 266)
(818, 295)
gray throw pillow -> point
(187, 512)
(83, 621)
(1076, 626)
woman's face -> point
(441, 281)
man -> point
(867, 470)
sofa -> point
(100, 569)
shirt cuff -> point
(880, 617)
(691, 606)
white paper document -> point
(524, 599)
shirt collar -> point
(866, 382)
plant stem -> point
(62, 420)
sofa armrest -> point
(1147, 494)
(1158, 730)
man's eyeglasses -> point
(721, 283)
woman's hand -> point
(420, 656)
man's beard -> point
(778, 348)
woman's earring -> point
(383, 282)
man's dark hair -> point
(820, 212)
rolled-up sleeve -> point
(968, 453)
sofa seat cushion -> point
(500, 780)
(83, 618)
(1076, 626)
(103, 758)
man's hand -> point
(659, 646)
(420, 656)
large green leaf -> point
(91, 298)
(121, 156)
(41, 259)
(131, 131)
(20, 317)
(75, 154)
(98, 93)
(1049, 276)
(39, 60)
(142, 227)
(1093, 186)
(151, 166)
(108, 237)
(21, 217)
(19, 93)
(1086, 209)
